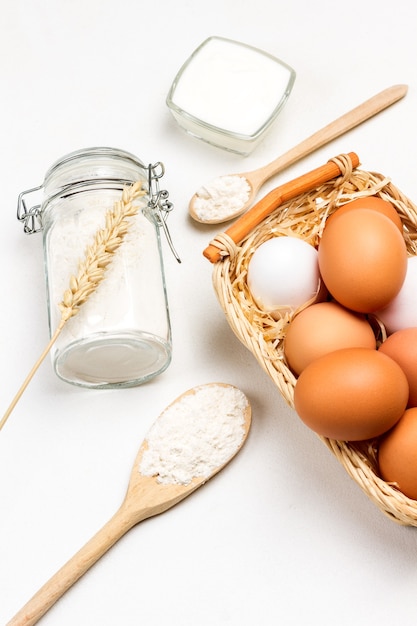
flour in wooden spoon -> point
(221, 198)
(195, 435)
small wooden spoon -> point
(145, 497)
(258, 177)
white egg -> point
(402, 310)
(283, 273)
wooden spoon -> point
(258, 177)
(145, 497)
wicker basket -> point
(305, 216)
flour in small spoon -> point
(195, 435)
(221, 198)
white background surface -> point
(282, 535)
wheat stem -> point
(91, 272)
(31, 374)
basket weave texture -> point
(263, 335)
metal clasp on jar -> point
(31, 218)
(159, 206)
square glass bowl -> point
(228, 93)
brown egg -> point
(351, 394)
(402, 347)
(323, 328)
(397, 454)
(362, 260)
(371, 202)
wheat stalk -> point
(91, 271)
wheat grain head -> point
(98, 255)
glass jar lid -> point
(92, 166)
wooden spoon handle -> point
(274, 199)
(338, 127)
(64, 578)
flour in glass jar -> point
(195, 435)
(131, 294)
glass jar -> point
(119, 334)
